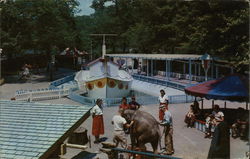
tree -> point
(220, 28)
(37, 25)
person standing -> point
(167, 122)
(220, 144)
(119, 124)
(97, 124)
(163, 100)
(133, 105)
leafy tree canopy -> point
(220, 28)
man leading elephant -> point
(167, 122)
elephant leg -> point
(154, 145)
(133, 141)
(141, 142)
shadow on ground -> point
(36, 78)
(103, 139)
(85, 155)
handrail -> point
(42, 94)
(144, 153)
(62, 80)
(163, 82)
(143, 100)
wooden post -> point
(246, 105)
(152, 69)
(212, 102)
(202, 104)
(199, 70)
(225, 104)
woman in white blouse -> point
(97, 125)
(163, 100)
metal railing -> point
(162, 82)
(143, 100)
(41, 94)
(142, 154)
(62, 80)
(182, 76)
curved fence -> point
(143, 100)
(162, 82)
(41, 94)
(62, 80)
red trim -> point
(199, 121)
(200, 90)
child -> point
(210, 125)
(189, 119)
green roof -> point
(34, 130)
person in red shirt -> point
(124, 104)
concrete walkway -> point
(189, 143)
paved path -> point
(189, 143)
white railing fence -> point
(41, 94)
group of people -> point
(215, 127)
(212, 120)
(120, 124)
(166, 120)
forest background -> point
(220, 28)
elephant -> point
(145, 129)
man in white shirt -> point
(163, 100)
(218, 115)
(119, 123)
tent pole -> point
(246, 106)
(212, 103)
(225, 104)
(202, 104)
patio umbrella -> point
(232, 88)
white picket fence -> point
(44, 94)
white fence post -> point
(30, 96)
(59, 93)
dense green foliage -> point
(220, 28)
(37, 25)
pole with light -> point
(103, 42)
(1, 50)
(206, 59)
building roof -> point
(158, 56)
(35, 130)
